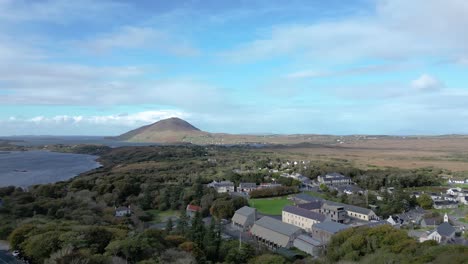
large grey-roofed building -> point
(325, 230)
(244, 218)
(316, 205)
(274, 233)
(356, 211)
(304, 213)
(301, 217)
(305, 198)
(308, 244)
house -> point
(247, 187)
(414, 215)
(269, 185)
(443, 233)
(274, 233)
(308, 245)
(452, 181)
(445, 204)
(461, 199)
(435, 196)
(222, 186)
(454, 191)
(349, 189)
(395, 220)
(334, 212)
(325, 230)
(191, 210)
(301, 217)
(123, 211)
(430, 222)
(334, 179)
(244, 218)
(449, 197)
(375, 223)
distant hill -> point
(171, 130)
(176, 130)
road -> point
(7, 258)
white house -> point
(453, 191)
(247, 187)
(443, 232)
(222, 186)
(451, 181)
(122, 211)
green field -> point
(270, 206)
(162, 216)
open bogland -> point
(402, 152)
(74, 221)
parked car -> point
(15, 253)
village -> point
(308, 222)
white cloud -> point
(130, 120)
(132, 37)
(379, 68)
(305, 74)
(427, 82)
(399, 29)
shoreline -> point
(95, 159)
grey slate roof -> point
(308, 198)
(431, 221)
(444, 202)
(304, 213)
(247, 185)
(353, 208)
(377, 223)
(311, 206)
(330, 227)
(274, 230)
(242, 215)
(445, 229)
(277, 226)
(309, 240)
(245, 211)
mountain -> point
(169, 130)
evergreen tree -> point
(169, 225)
(182, 224)
(197, 230)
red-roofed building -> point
(191, 210)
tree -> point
(222, 209)
(324, 187)
(425, 201)
(197, 230)
(242, 255)
(169, 225)
(182, 224)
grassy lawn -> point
(270, 206)
(162, 216)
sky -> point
(243, 66)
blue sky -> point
(301, 66)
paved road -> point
(7, 258)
